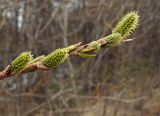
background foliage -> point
(80, 86)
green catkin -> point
(20, 62)
(127, 24)
(55, 58)
(93, 45)
(113, 40)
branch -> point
(25, 62)
(38, 66)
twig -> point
(112, 98)
(38, 66)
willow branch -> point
(38, 66)
(25, 63)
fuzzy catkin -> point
(113, 40)
(20, 62)
(55, 58)
(127, 24)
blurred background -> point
(120, 81)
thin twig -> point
(38, 66)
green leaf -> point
(86, 55)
